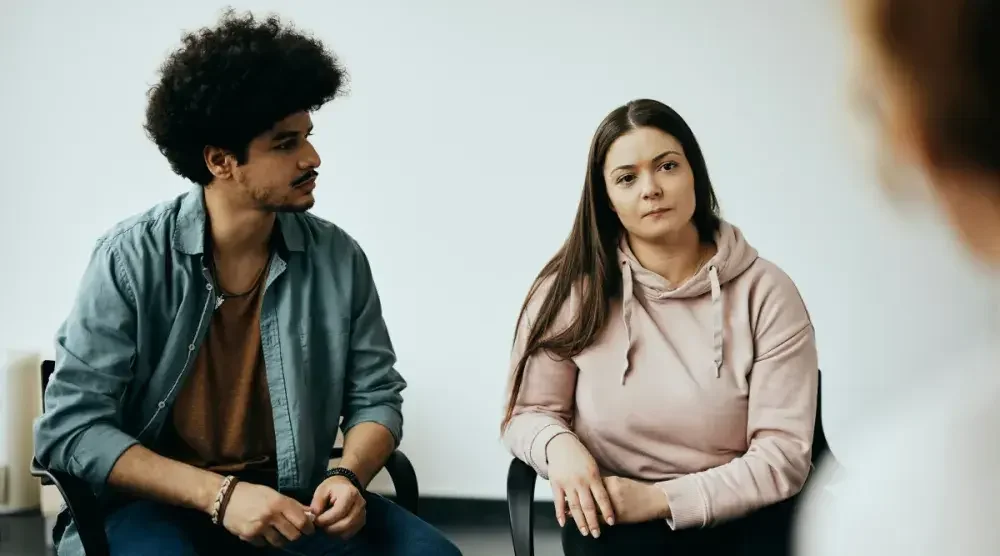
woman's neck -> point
(676, 258)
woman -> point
(927, 481)
(664, 375)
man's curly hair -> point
(229, 84)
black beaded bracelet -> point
(348, 474)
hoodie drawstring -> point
(713, 276)
(627, 299)
(718, 331)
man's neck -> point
(676, 258)
(236, 231)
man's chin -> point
(301, 206)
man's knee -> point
(407, 534)
(148, 528)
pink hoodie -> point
(708, 390)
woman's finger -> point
(589, 509)
(573, 500)
(559, 500)
(603, 501)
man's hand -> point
(260, 515)
(339, 508)
(636, 502)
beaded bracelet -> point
(222, 499)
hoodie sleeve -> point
(780, 419)
(544, 406)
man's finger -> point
(350, 524)
(274, 538)
(289, 531)
(320, 501)
(338, 511)
(298, 517)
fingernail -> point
(611, 521)
(583, 531)
(596, 533)
(562, 522)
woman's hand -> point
(636, 502)
(576, 481)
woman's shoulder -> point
(539, 291)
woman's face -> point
(650, 184)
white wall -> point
(461, 116)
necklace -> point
(224, 295)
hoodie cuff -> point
(688, 504)
(539, 460)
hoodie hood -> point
(733, 257)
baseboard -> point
(461, 512)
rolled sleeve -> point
(373, 385)
(80, 430)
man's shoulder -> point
(150, 227)
(324, 236)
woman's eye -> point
(626, 179)
(669, 165)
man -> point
(219, 339)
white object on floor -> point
(20, 404)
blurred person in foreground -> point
(220, 338)
(928, 478)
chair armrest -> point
(82, 506)
(520, 504)
(404, 478)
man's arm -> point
(367, 446)
(149, 475)
(80, 432)
(373, 420)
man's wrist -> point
(209, 491)
(348, 475)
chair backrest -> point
(48, 366)
(819, 446)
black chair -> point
(83, 507)
(521, 490)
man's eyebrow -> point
(282, 135)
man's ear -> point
(220, 162)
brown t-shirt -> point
(221, 419)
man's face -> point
(280, 172)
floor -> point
(25, 536)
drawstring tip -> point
(718, 369)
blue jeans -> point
(147, 528)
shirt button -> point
(208, 287)
(161, 405)
(191, 347)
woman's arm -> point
(780, 420)
(544, 406)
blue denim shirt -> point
(141, 314)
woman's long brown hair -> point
(588, 260)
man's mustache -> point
(305, 177)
